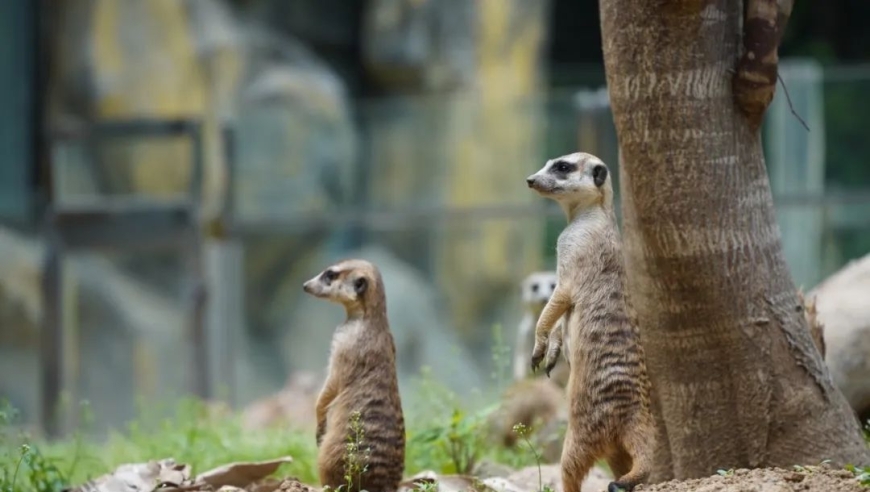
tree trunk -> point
(738, 380)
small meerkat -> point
(361, 377)
(536, 290)
(608, 388)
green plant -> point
(523, 431)
(862, 474)
(458, 442)
(356, 457)
(430, 486)
(725, 473)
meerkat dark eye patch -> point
(563, 168)
(599, 175)
(534, 287)
(329, 275)
(360, 285)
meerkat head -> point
(355, 284)
(576, 181)
(537, 289)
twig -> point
(790, 106)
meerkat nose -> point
(307, 286)
(530, 181)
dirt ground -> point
(811, 479)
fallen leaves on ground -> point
(168, 476)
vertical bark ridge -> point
(736, 377)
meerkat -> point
(533, 402)
(361, 377)
(536, 290)
(608, 388)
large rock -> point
(844, 311)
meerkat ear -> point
(360, 285)
(599, 175)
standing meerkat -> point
(608, 388)
(536, 290)
(361, 378)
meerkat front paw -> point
(321, 430)
(538, 355)
(554, 349)
(553, 353)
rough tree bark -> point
(739, 382)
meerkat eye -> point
(562, 167)
(599, 175)
(534, 287)
(360, 284)
(330, 275)
(553, 286)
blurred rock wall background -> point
(396, 130)
(338, 106)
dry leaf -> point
(241, 474)
(138, 477)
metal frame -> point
(108, 224)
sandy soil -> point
(811, 479)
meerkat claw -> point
(616, 487)
(537, 358)
(550, 366)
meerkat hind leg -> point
(619, 461)
(577, 459)
(637, 443)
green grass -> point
(444, 433)
(450, 445)
(188, 436)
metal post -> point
(51, 339)
(198, 293)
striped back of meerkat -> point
(617, 380)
